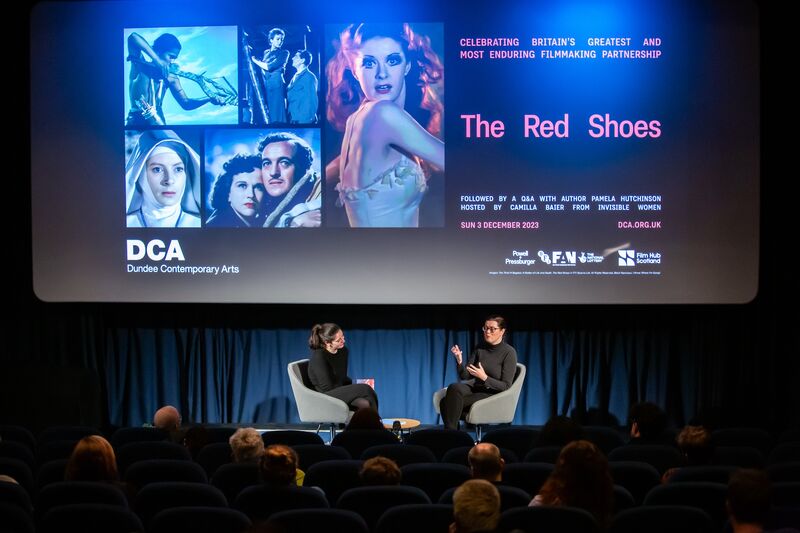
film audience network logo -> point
(558, 258)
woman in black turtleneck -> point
(491, 368)
(327, 368)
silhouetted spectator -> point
(279, 465)
(92, 459)
(748, 500)
(559, 431)
(194, 439)
(365, 418)
(696, 445)
(476, 507)
(486, 463)
(647, 422)
(380, 471)
(581, 478)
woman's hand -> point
(478, 371)
(457, 352)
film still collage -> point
(223, 126)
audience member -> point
(559, 431)
(167, 418)
(247, 446)
(92, 459)
(647, 422)
(581, 478)
(380, 471)
(365, 418)
(279, 465)
(696, 445)
(194, 439)
(476, 507)
(593, 416)
(748, 500)
(486, 463)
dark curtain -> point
(219, 364)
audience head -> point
(581, 478)
(92, 459)
(748, 499)
(647, 421)
(560, 431)
(167, 418)
(485, 462)
(696, 445)
(366, 418)
(279, 465)
(194, 439)
(476, 507)
(593, 416)
(380, 471)
(247, 446)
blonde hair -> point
(476, 506)
(247, 445)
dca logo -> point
(155, 250)
(627, 258)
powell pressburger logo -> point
(627, 258)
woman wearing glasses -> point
(490, 370)
(327, 368)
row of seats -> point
(636, 483)
(173, 460)
(515, 443)
(423, 518)
(519, 439)
(668, 504)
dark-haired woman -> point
(490, 369)
(237, 193)
(327, 368)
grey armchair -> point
(496, 409)
(314, 406)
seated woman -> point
(490, 369)
(162, 182)
(381, 178)
(237, 193)
(581, 478)
(92, 459)
(327, 368)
